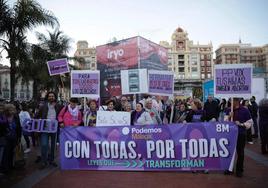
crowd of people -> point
(150, 110)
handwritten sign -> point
(233, 80)
(107, 118)
(161, 82)
(58, 66)
(85, 83)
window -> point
(202, 63)
(209, 75)
(194, 69)
(202, 76)
(181, 69)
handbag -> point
(19, 154)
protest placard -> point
(134, 81)
(112, 118)
(85, 83)
(160, 82)
(58, 66)
(234, 80)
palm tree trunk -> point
(12, 78)
(35, 90)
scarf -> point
(73, 112)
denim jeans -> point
(45, 146)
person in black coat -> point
(211, 109)
(263, 122)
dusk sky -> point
(220, 22)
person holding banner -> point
(241, 117)
(140, 116)
(153, 112)
(196, 114)
(70, 115)
(90, 115)
(49, 110)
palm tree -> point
(57, 45)
(15, 22)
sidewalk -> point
(256, 175)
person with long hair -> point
(13, 135)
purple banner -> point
(233, 81)
(160, 83)
(40, 125)
(58, 66)
(85, 84)
(177, 147)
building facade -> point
(191, 63)
(86, 56)
(23, 90)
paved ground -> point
(256, 175)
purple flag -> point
(176, 147)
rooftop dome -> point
(179, 29)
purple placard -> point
(85, 84)
(177, 147)
(160, 83)
(58, 66)
(233, 81)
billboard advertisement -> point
(111, 58)
(152, 55)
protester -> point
(241, 117)
(12, 126)
(110, 105)
(70, 115)
(153, 112)
(24, 115)
(49, 110)
(128, 107)
(196, 114)
(123, 102)
(263, 122)
(254, 115)
(245, 103)
(90, 116)
(222, 108)
(211, 108)
(180, 113)
(140, 117)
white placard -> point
(134, 81)
(113, 118)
